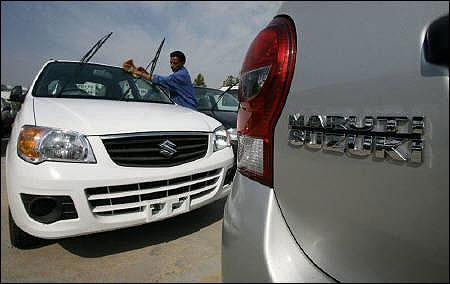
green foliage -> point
(199, 81)
(230, 81)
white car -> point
(234, 90)
(94, 149)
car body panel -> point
(255, 233)
(227, 118)
(94, 117)
(367, 220)
(354, 219)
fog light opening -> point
(45, 209)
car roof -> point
(73, 61)
(236, 87)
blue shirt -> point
(180, 87)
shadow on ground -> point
(113, 242)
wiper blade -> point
(152, 63)
(91, 52)
(155, 59)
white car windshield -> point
(94, 81)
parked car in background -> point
(10, 107)
(8, 115)
(222, 106)
(95, 149)
(343, 154)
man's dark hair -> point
(178, 54)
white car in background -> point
(95, 149)
(234, 90)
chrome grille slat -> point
(131, 198)
(115, 207)
(150, 190)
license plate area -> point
(164, 208)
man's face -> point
(175, 63)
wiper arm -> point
(155, 59)
(85, 59)
(122, 98)
(95, 48)
(128, 91)
(152, 62)
(221, 96)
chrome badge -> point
(168, 148)
(397, 137)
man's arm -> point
(141, 72)
(172, 81)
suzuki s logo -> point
(168, 148)
(397, 137)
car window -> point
(234, 93)
(94, 81)
(209, 99)
(150, 92)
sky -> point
(214, 36)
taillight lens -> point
(266, 76)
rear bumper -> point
(257, 245)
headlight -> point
(232, 133)
(221, 138)
(38, 144)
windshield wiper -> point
(85, 59)
(221, 95)
(95, 48)
(152, 62)
(155, 59)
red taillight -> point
(266, 76)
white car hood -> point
(101, 117)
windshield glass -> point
(207, 98)
(93, 81)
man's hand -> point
(128, 66)
(141, 72)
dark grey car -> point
(224, 107)
(343, 153)
(8, 115)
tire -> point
(18, 237)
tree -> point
(230, 81)
(199, 81)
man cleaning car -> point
(179, 82)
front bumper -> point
(73, 180)
(257, 245)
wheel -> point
(18, 237)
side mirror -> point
(17, 94)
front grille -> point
(145, 150)
(129, 198)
